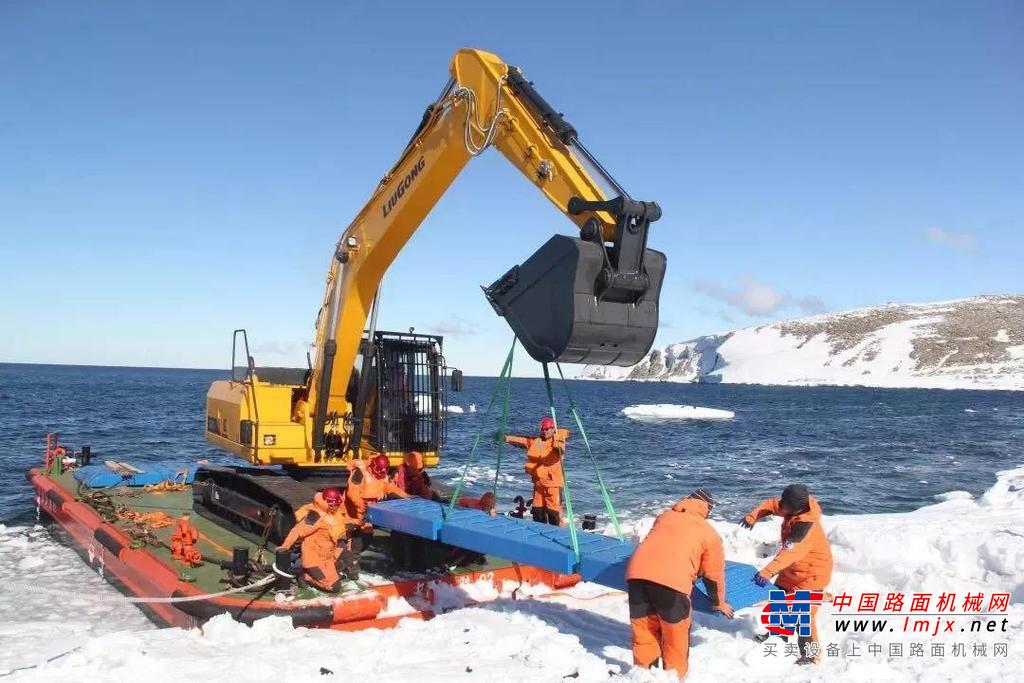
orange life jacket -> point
(412, 478)
(322, 518)
(543, 457)
(320, 530)
(363, 488)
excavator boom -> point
(590, 298)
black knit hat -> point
(705, 495)
(796, 498)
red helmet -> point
(379, 465)
(332, 497)
(547, 423)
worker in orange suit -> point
(412, 478)
(681, 547)
(544, 455)
(367, 483)
(804, 562)
(410, 552)
(484, 503)
(321, 526)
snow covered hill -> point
(975, 343)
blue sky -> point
(171, 171)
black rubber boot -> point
(801, 645)
(348, 564)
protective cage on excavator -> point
(410, 393)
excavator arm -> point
(592, 299)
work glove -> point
(746, 524)
(759, 580)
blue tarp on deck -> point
(102, 477)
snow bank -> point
(668, 411)
(35, 627)
(959, 545)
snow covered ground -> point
(959, 545)
(667, 411)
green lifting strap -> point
(506, 374)
(597, 470)
(568, 498)
(503, 430)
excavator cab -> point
(585, 301)
(406, 410)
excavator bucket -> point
(561, 308)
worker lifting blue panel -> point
(740, 591)
(607, 567)
(603, 559)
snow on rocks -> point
(668, 411)
(975, 343)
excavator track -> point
(249, 499)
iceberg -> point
(658, 412)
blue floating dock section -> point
(740, 591)
(523, 541)
(414, 516)
(603, 559)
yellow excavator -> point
(592, 298)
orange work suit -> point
(681, 547)
(804, 562)
(322, 533)
(544, 465)
(484, 503)
(363, 488)
(413, 479)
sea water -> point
(858, 449)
